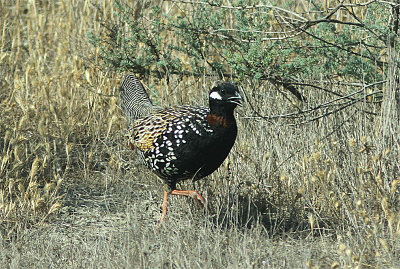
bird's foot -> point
(189, 193)
(193, 194)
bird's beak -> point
(237, 100)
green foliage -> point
(241, 41)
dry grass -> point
(72, 195)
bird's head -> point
(225, 94)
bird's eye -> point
(223, 91)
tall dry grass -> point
(54, 102)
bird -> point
(180, 142)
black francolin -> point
(181, 142)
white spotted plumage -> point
(168, 135)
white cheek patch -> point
(215, 95)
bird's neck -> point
(221, 116)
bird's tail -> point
(135, 101)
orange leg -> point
(164, 207)
(194, 194)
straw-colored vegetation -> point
(324, 193)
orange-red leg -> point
(188, 193)
(164, 207)
(194, 194)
